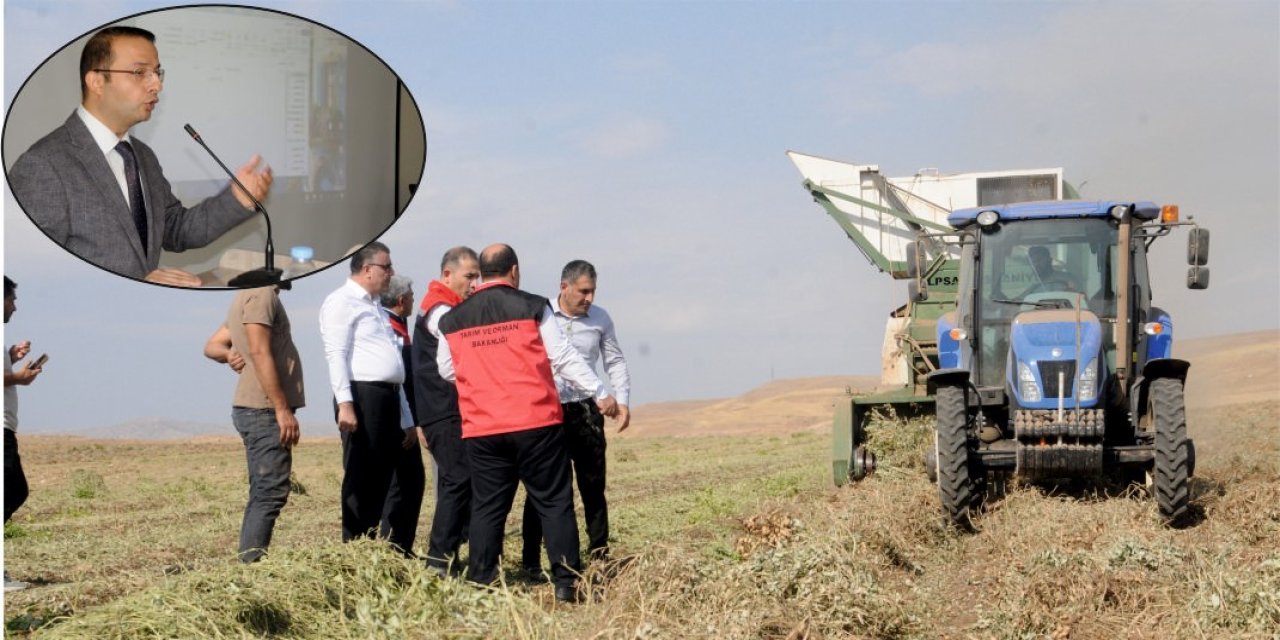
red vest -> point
(502, 370)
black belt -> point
(394, 386)
(587, 405)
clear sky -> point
(650, 138)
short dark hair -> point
(576, 269)
(97, 51)
(9, 286)
(497, 261)
(454, 256)
(359, 258)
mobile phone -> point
(44, 357)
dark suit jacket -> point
(64, 183)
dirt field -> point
(728, 509)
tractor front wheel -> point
(956, 478)
(1173, 459)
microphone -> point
(269, 274)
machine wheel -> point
(956, 486)
(1172, 449)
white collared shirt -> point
(359, 344)
(106, 139)
(593, 336)
(565, 360)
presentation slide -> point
(288, 81)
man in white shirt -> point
(366, 373)
(101, 193)
(590, 330)
(15, 481)
(404, 497)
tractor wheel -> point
(1173, 450)
(956, 486)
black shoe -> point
(535, 574)
(569, 594)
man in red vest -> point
(503, 348)
(437, 402)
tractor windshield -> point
(1039, 264)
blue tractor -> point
(1054, 363)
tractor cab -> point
(1036, 264)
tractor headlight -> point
(988, 218)
(1027, 387)
(1089, 381)
(1118, 212)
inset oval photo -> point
(120, 145)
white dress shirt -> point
(433, 320)
(106, 139)
(566, 362)
(593, 336)
(360, 345)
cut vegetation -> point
(735, 535)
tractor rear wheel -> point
(1172, 449)
(956, 485)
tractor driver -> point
(1048, 277)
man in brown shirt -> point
(267, 395)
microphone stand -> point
(269, 274)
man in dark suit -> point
(100, 193)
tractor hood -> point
(1055, 353)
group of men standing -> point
(497, 382)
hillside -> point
(1225, 370)
(782, 406)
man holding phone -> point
(15, 481)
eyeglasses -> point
(141, 75)
(386, 266)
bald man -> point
(503, 348)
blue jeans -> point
(269, 466)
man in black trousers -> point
(404, 497)
(590, 330)
(503, 347)
(437, 402)
(15, 480)
(366, 373)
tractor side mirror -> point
(1198, 278)
(1198, 249)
